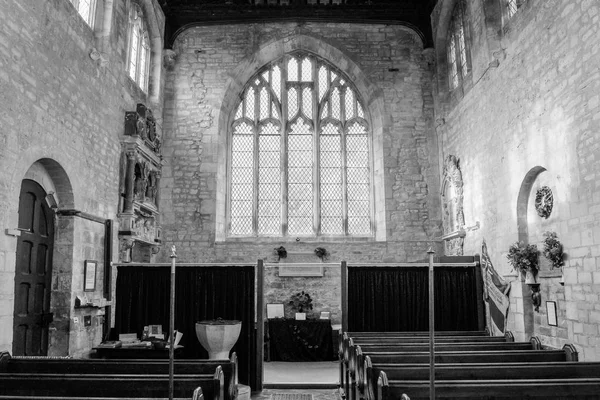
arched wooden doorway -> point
(33, 272)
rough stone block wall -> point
(208, 59)
(60, 106)
(538, 108)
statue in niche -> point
(141, 181)
(151, 125)
(452, 205)
(151, 188)
(141, 127)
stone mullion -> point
(316, 153)
(284, 147)
(256, 165)
(344, 161)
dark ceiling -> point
(181, 14)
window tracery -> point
(457, 48)
(300, 154)
(139, 48)
(87, 10)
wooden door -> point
(33, 273)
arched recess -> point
(523, 201)
(55, 181)
(523, 235)
(440, 23)
(372, 95)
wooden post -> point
(431, 328)
(172, 323)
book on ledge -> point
(137, 344)
(110, 344)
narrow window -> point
(139, 48)
(457, 46)
(87, 10)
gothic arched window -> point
(457, 46)
(139, 48)
(300, 154)
(87, 10)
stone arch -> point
(523, 201)
(440, 24)
(370, 93)
(56, 182)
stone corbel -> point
(100, 58)
(169, 58)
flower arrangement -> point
(553, 250)
(301, 302)
(523, 257)
(322, 253)
(281, 252)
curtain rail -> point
(135, 264)
(233, 264)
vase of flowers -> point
(524, 258)
(301, 302)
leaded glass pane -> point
(452, 62)
(269, 181)
(360, 111)
(274, 112)
(144, 55)
(133, 55)
(276, 84)
(333, 76)
(511, 6)
(300, 183)
(306, 70)
(292, 70)
(323, 82)
(264, 103)
(462, 50)
(331, 180)
(335, 103)
(265, 76)
(349, 102)
(307, 102)
(292, 103)
(250, 103)
(238, 113)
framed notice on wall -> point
(89, 275)
(551, 308)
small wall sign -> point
(89, 275)
(551, 309)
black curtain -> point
(142, 298)
(387, 299)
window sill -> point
(281, 239)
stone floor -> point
(317, 394)
(315, 373)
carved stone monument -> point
(140, 170)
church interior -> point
(306, 172)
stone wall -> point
(63, 115)
(391, 71)
(529, 121)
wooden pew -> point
(122, 378)
(442, 338)
(127, 366)
(114, 385)
(355, 375)
(417, 333)
(484, 380)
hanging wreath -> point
(544, 200)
